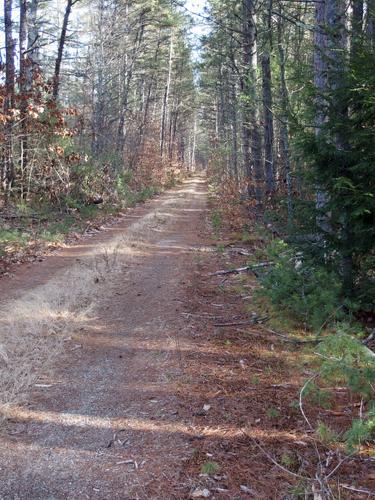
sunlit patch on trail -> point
(145, 425)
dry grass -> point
(33, 327)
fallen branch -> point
(285, 338)
(253, 321)
(371, 337)
(242, 269)
(255, 442)
(358, 490)
(239, 323)
(301, 400)
(240, 251)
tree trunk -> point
(60, 51)
(337, 67)
(357, 17)
(320, 82)
(234, 133)
(269, 167)
(22, 44)
(194, 145)
(23, 90)
(253, 160)
(32, 42)
(8, 173)
(128, 68)
(164, 114)
(286, 171)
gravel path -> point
(106, 424)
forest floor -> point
(153, 397)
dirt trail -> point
(107, 424)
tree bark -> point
(320, 82)
(23, 89)
(234, 132)
(335, 55)
(164, 114)
(60, 51)
(252, 151)
(286, 171)
(128, 68)
(32, 42)
(269, 167)
(8, 173)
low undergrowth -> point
(300, 290)
(308, 297)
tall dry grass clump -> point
(34, 327)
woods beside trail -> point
(187, 266)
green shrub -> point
(122, 184)
(318, 396)
(360, 431)
(216, 221)
(71, 202)
(14, 237)
(210, 468)
(146, 193)
(345, 360)
(300, 289)
(326, 434)
(273, 412)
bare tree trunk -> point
(164, 114)
(253, 161)
(121, 132)
(246, 141)
(8, 173)
(194, 145)
(97, 85)
(357, 19)
(22, 44)
(286, 172)
(128, 67)
(146, 109)
(23, 90)
(357, 27)
(330, 68)
(269, 166)
(173, 130)
(32, 41)
(320, 82)
(60, 51)
(234, 133)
